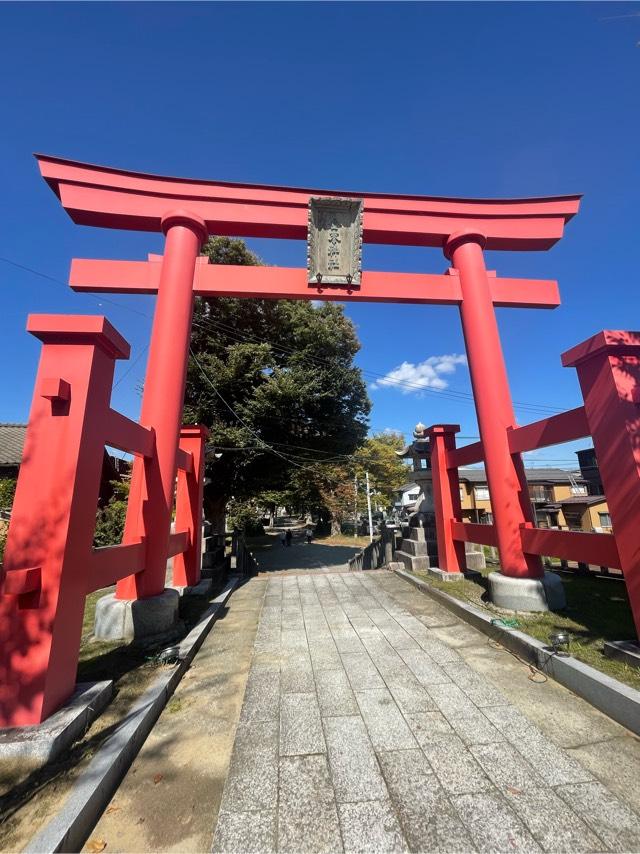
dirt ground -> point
(170, 797)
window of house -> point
(413, 496)
(481, 493)
(579, 489)
(487, 518)
(605, 520)
(462, 492)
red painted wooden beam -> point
(141, 277)
(565, 427)
(471, 532)
(582, 546)
(117, 198)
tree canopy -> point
(275, 382)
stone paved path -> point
(362, 730)
(304, 557)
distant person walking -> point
(287, 537)
(309, 535)
(283, 538)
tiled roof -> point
(584, 499)
(11, 443)
(537, 475)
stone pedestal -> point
(527, 594)
(474, 557)
(136, 619)
(413, 552)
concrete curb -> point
(95, 787)
(618, 701)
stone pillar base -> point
(527, 594)
(136, 619)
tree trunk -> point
(215, 506)
(335, 526)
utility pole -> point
(355, 508)
(369, 509)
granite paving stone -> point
(307, 815)
(262, 694)
(554, 825)
(347, 641)
(429, 727)
(335, 696)
(505, 766)
(479, 690)
(455, 767)
(296, 674)
(492, 824)
(300, 726)
(361, 671)
(354, 768)
(423, 667)
(614, 822)
(408, 693)
(428, 820)
(385, 724)
(252, 781)
(249, 832)
(371, 827)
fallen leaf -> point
(513, 790)
(96, 845)
(157, 778)
(114, 808)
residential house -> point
(560, 498)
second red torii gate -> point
(187, 211)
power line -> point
(450, 393)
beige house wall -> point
(588, 517)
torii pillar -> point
(153, 481)
(522, 575)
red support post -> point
(153, 480)
(508, 488)
(187, 565)
(47, 560)
(446, 496)
(608, 367)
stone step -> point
(414, 547)
(413, 562)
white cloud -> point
(410, 379)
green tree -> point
(387, 472)
(275, 382)
(110, 518)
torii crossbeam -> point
(228, 280)
(188, 210)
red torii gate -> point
(187, 211)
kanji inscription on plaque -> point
(334, 241)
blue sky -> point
(485, 99)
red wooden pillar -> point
(508, 488)
(608, 367)
(46, 560)
(153, 480)
(186, 565)
(446, 496)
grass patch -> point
(343, 540)
(597, 611)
